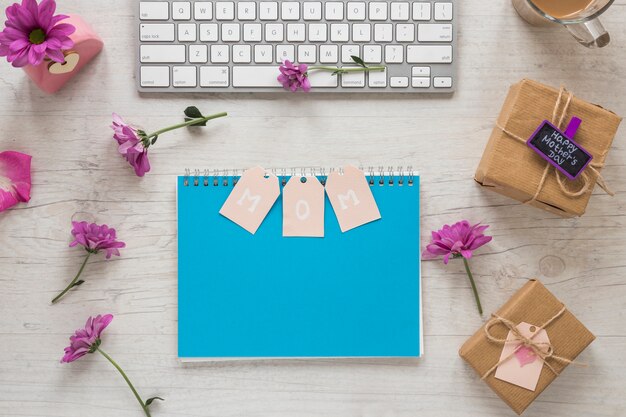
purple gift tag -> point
(559, 149)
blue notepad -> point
(353, 294)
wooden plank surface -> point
(77, 174)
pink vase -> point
(50, 76)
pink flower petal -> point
(15, 180)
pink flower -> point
(32, 32)
(460, 239)
(15, 182)
(87, 339)
(131, 146)
(294, 77)
(95, 238)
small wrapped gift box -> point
(526, 345)
(512, 168)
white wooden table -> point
(77, 174)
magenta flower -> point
(87, 340)
(32, 33)
(133, 143)
(94, 238)
(459, 241)
(15, 179)
(294, 77)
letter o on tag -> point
(303, 210)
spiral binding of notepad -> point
(225, 177)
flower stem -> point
(347, 69)
(144, 407)
(188, 123)
(69, 287)
(471, 278)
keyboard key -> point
(399, 82)
(157, 32)
(208, 32)
(339, 32)
(263, 54)
(405, 32)
(420, 82)
(372, 54)
(394, 54)
(198, 54)
(353, 80)
(329, 54)
(274, 32)
(231, 32)
(400, 11)
(323, 79)
(347, 51)
(421, 11)
(383, 32)
(203, 10)
(442, 82)
(225, 10)
(252, 32)
(434, 32)
(154, 10)
(378, 10)
(162, 54)
(187, 32)
(212, 76)
(377, 79)
(155, 76)
(443, 11)
(356, 11)
(290, 10)
(285, 52)
(318, 32)
(246, 10)
(296, 32)
(307, 54)
(242, 54)
(429, 54)
(255, 76)
(361, 32)
(184, 76)
(268, 10)
(312, 10)
(219, 54)
(181, 10)
(420, 71)
(334, 10)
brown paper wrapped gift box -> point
(511, 168)
(533, 304)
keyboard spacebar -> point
(256, 76)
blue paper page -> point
(353, 294)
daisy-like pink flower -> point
(133, 143)
(458, 241)
(32, 33)
(87, 340)
(15, 182)
(94, 238)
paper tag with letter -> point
(303, 207)
(351, 198)
(251, 199)
(524, 367)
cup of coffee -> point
(580, 17)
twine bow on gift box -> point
(594, 166)
(543, 350)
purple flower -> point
(15, 181)
(131, 146)
(32, 33)
(96, 238)
(460, 239)
(294, 77)
(87, 339)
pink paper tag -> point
(251, 199)
(524, 367)
(351, 198)
(303, 207)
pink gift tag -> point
(303, 207)
(524, 367)
(351, 198)
(251, 199)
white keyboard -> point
(219, 46)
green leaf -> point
(77, 283)
(358, 61)
(154, 140)
(151, 400)
(192, 112)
